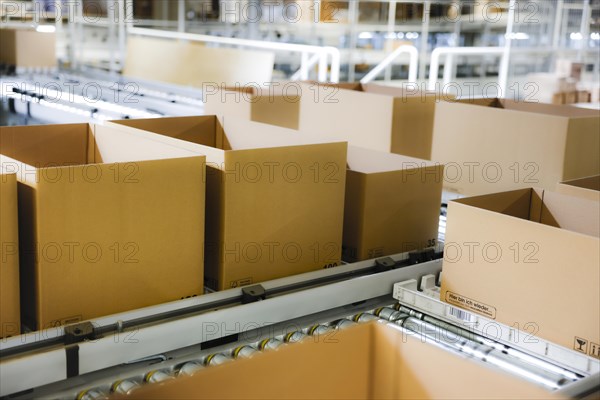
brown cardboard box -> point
(372, 361)
(277, 105)
(196, 64)
(559, 98)
(571, 97)
(10, 319)
(372, 116)
(392, 204)
(529, 259)
(583, 96)
(27, 48)
(108, 221)
(496, 145)
(274, 202)
(588, 188)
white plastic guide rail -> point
(437, 53)
(325, 55)
(412, 69)
(407, 294)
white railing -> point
(412, 68)
(326, 56)
(434, 64)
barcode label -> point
(459, 314)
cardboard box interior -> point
(10, 320)
(148, 58)
(585, 187)
(87, 228)
(269, 191)
(541, 247)
(372, 361)
(372, 116)
(272, 105)
(392, 204)
(492, 145)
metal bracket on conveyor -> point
(73, 335)
(503, 337)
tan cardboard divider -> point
(10, 319)
(371, 361)
(588, 188)
(27, 48)
(193, 64)
(392, 204)
(492, 145)
(272, 105)
(527, 258)
(274, 203)
(108, 222)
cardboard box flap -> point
(533, 107)
(48, 145)
(372, 161)
(410, 90)
(515, 203)
(193, 129)
(194, 137)
(553, 209)
(591, 183)
(570, 213)
(242, 135)
(113, 145)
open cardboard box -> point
(392, 204)
(10, 320)
(27, 48)
(588, 188)
(493, 145)
(530, 259)
(372, 361)
(196, 65)
(269, 105)
(383, 118)
(275, 200)
(108, 221)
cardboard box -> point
(383, 118)
(529, 259)
(270, 105)
(274, 201)
(583, 96)
(196, 64)
(571, 97)
(10, 319)
(588, 188)
(372, 361)
(492, 145)
(392, 204)
(108, 221)
(372, 116)
(569, 68)
(27, 48)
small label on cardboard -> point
(470, 304)
(240, 283)
(65, 321)
(376, 252)
(586, 347)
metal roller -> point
(189, 368)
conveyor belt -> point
(176, 339)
